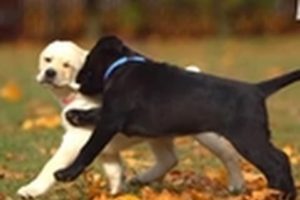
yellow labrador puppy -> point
(59, 64)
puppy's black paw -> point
(135, 182)
(76, 117)
(132, 186)
(68, 174)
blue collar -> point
(121, 61)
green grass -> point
(250, 59)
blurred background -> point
(43, 20)
(248, 40)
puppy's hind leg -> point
(256, 147)
(166, 159)
(219, 146)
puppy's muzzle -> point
(50, 74)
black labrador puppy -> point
(142, 97)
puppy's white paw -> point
(31, 191)
(115, 190)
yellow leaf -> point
(295, 160)
(40, 122)
(27, 125)
(289, 150)
(255, 181)
(48, 121)
(266, 194)
(197, 195)
(51, 121)
(167, 195)
(218, 175)
(11, 92)
(127, 197)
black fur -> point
(154, 99)
(83, 118)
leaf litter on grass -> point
(40, 115)
(188, 185)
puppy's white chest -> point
(79, 102)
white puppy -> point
(59, 64)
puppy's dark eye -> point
(66, 65)
(48, 60)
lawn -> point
(23, 152)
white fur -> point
(74, 138)
(193, 68)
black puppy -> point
(145, 98)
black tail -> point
(270, 86)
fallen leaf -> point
(50, 121)
(127, 197)
(218, 175)
(6, 173)
(28, 124)
(292, 154)
(167, 195)
(11, 92)
(289, 150)
(95, 184)
(265, 194)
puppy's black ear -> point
(110, 42)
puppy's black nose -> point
(50, 73)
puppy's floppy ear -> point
(113, 43)
(110, 42)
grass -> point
(250, 59)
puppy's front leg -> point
(103, 133)
(166, 159)
(83, 117)
(65, 154)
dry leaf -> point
(289, 150)
(51, 121)
(265, 194)
(167, 195)
(216, 174)
(11, 92)
(6, 173)
(127, 197)
(27, 125)
(291, 153)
